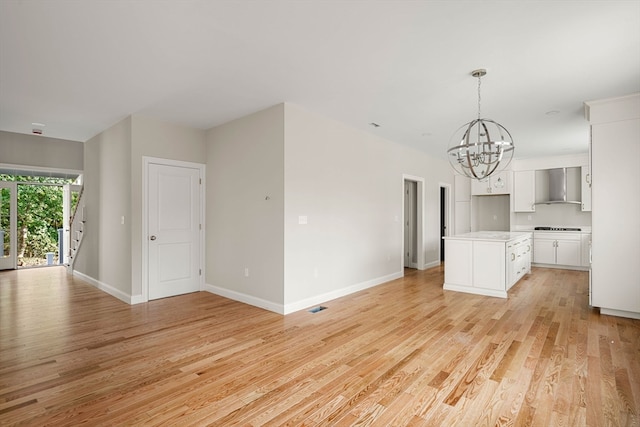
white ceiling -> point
(81, 66)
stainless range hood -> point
(557, 188)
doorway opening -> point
(413, 220)
(445, 200)
(410, 224)
(32, 220)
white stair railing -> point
(78, 219)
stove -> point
(556, 229)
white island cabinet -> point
(486, 262)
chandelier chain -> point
(479, 97)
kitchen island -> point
(486, 262)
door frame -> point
(447, 212)
(420, 264)
(410, 223)
(12, 263)
(146, 161)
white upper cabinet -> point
(524, 191)
(495, 184)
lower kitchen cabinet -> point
(557, 248)
(486, 262)
(518, 260)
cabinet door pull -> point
(513, 256)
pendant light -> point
(481, 147)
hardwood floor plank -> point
(402, 353)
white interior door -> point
(8, 221)
(173, 230)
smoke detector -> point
(36, 128)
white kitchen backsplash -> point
(557, 215)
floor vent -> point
(317, 309)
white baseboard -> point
(620, 313)
(560, 267)
(477, 291)
(302, 304)
(247, 299)
(338, 293)
(105, 287)
(431, 265)
(137, 299)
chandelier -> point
(481, 147)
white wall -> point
(87, 261)
(40, 151)
(245, 208)
(111, 252)
(105, 255)
(492, 213)
(349, 186)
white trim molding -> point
(302, 304)
(122, 296)
(244, 298)
(338, 293)
(420, 244)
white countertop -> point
(496, 236)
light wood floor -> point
(402, 353)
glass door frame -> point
(10, 262)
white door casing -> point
(419, 221)
(9, 260)
(173, 238)
(410, 224)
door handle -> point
(152, 238)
